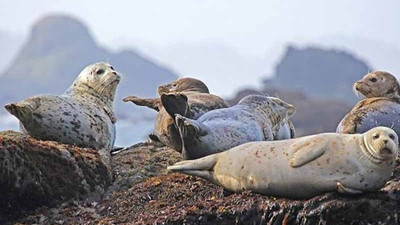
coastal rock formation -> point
(36, 173)
(151, 196)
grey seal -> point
(254, 118)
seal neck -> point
(83, 90)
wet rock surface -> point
(143, 193)
(35, 173)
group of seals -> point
(188, 97)
(254, 118)
(303, 167)
(82, 116)
(380, 108)
(242, 146)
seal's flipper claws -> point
(345, 190)
(153, 103)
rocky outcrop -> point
(319, 72)
(36, 173)
(150, 196)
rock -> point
(181, 199)
(36, 173)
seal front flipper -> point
(176, 103)
(307, 152)
(345, 190)
(153, 103)
(202, 167)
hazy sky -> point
(251, 27)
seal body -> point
(370, 113)
(303, 167)
(186, 96)
(81, 116)
(254, 118)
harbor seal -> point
(370, 113)
(380, 108)
(378, 84)
(254, 118)
(186, 96)
(303, 167)
(82, 116)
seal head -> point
(380, 144)
(99, 80)
(184, 85)
(378, 84)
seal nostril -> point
(115, 73)
(386, 141)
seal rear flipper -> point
(306, 153)
(176, 103)
(202, 167)
(189, 128)
(23, 111)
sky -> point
(255, 30)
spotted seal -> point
(378, 84)
(380, 108)
(186, 96)
(303, 167)
(82, 116)
(254, 118)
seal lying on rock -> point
(254, 118)
(187, 96)
(82, 116)
(381, 108)
(303, 167)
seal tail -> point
(176, 103)
(23, 111)
(202, 167)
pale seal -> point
(186, 96)
(378, 84)
(82, 116)
(303, 167)
(381, 108)
(254, 118)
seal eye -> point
(100, 71)
(174, 85)
(373, 80)
(391, 136)
(376, 136)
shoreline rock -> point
(37, 173)
(144, 193)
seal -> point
(370, 113)
(303, 167)
(254, 118)
(82, 116)
(380, 108)
(378, 84)
(186, 96)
